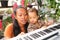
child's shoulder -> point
(41, 22)
(31, 25)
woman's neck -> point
(22, 27)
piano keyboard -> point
(40, 34)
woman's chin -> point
(23, 22)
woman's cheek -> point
(26, 17)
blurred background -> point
(48, 10)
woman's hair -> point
(33, 10)
(16, 27)
(18, 8)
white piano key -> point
(45, 36)
(55, 24)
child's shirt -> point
(33, 27)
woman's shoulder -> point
(9, 26)
(8, 30)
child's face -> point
(33, 18)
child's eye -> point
(30, 17)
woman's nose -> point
(23, 16)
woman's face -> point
(21, 16)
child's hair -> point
(33, 10)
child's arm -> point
(30, 28)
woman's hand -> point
(22, 33)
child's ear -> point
(38, 17)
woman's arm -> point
(8, 32)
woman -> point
(20, 24)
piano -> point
(40, 34)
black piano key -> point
(47, 31)
(35, 35)
(57, 27)
(52, 29)
(29, 38)
(42, 33)
(25, 38)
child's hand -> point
(47, 23)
